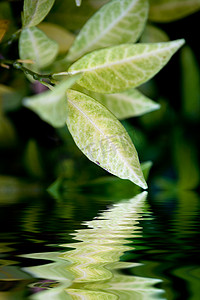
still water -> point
(84, 246)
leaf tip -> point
(78, 2)
(143, 185)
(141, 182)
(157, 106)
(180, 43)
(25, 102)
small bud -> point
(16, 65)
(35, 76)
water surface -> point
(88, 247)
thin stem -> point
(60, 74)
(19, 66)
(11, 39)
(46, 84)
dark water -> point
(91, 247)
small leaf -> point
(102, 138)
(130, 103)
(51, 106)
(123, 67)
(63, 37)
(35, 45)
(153, 34)
(146, 167)
(35, 11)
(171, 10)
(117, 22)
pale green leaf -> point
(153, 34)
(130, 103)
(35, 11)
(102, 138)
(117, 22)
(119, 68)
(51, 106)
(36, 46)
(55, 32)
(170, 10)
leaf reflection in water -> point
(92, 269)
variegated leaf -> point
(102, 138)
(36, 46)
(117, 22)
(131, 103)
(119, 68)
(51, 106)
(35, 11)
(170, 10)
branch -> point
(13, 37)
(19, 66)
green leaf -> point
(171, 10)
(33, 160)
(146, 167)
(51, 106)
(35, 11)
(117, 22)
(63, 37)
(6, 13)
(7, 132)
(153, 34)
(67, 15)
(122, 67)
(190, 84)
(186, 161)
(36, 46)
(102, 138)
(97, 4)
(10, 98)
(130, 103)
